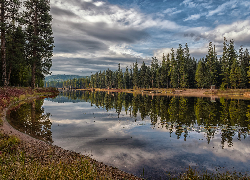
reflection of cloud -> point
(238, 152)
(135, 147)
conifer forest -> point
(26, 42)
(175, 70)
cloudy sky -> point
(93, 35)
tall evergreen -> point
(9, 17)
(200, 74)
(120, 77)
(211, 70)
(225, 68)
(154, 68)
(39, 38)
(233, 65)
(126, 79)
(18, 70)
(182, 61)
(244, 64)
(143, 75)
(174, 72)
(135, 75)
(235, 74)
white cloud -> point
(172, 11)
(193, 17)
(239, 31)
(221, 8)
(189, 3)
(99, 3)
(124, 49)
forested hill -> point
(61, 77)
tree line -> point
(176, 70)
(26, 42)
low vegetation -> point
(15, 164)
(10, 95)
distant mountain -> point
(61, 77)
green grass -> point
(15, 164)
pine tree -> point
(9, 16)
(174, 72)
(18, 69)
(191, 66)
(168, 65)
(164, 72)
(39, 38)
(244, 63)
(135, 75)
(120, 77)
(225, 68)
(184, 65)
(142, 79)
(154, 68)
(200, 74)
(234, 74)
(126, 78)
(211, 70)
(233, 65)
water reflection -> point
(179, 115)
(31, 119)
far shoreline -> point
(206, 93)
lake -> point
(149, 136)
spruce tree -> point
(39, 38)
(120, 77)
(234, 74)
(244, 64)
(143, 76)
(164, 72)
(200, 74)
(9, 17)
(154, 68)
(225, 68)
(233, 65)
(126, 78)
(168, 65)
(211, 69)
(174, 72)
(135, 75)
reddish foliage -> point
(8, 93)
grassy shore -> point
(35, 159)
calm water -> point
(144, 135)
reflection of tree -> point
(227, 135)
(31, 119)
(177, 114)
